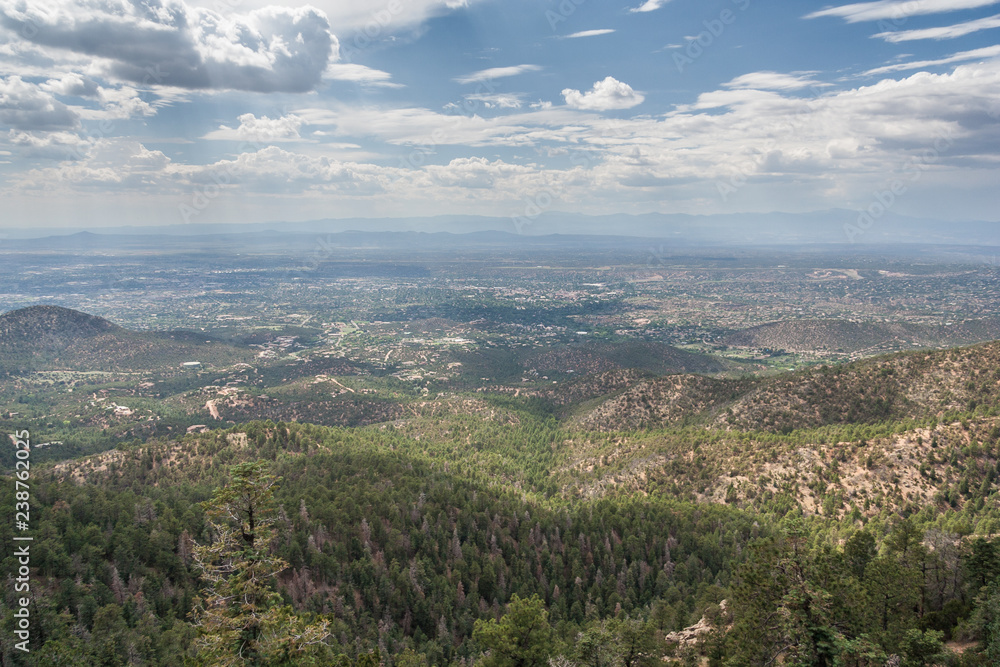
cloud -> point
(49, 145)
(590, 33)
(369, 20)
(166, 42)
(71, 84)
(831, 149)
(360, 74)
(260, 130)
(417, 126)
(605, 95)
(119, 103)
(109, 164)
(274, 170)
(494, 101)
(942, 32)
(897, 9)
(496, 73)
(25, 106)
(963, 56)
(774, 81)
(649, 6)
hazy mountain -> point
(836, 226)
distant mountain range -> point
(836, 226)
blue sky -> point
(183, 111)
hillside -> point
(861, 474)
(851, 337)
(911, 385)
(54, 338)
(394, 548)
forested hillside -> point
(565, 505)
(429, 554)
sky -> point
(131, 112)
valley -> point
(614, 441)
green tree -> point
(240, 618)
(921, 648)
(983, 562)
(859, 550)
(521, 638)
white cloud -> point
(72, 84)
(260, 130)
(897, 9)
(605, 95)
(166, 42)
(963, 56)
(496, 73)
(590, 33)
(774, 81)
(109, 164)
(119, 103)
(649, 6)
(25, 106)
(942, 32)
(49, 145)
(360, 74)
(496, 100)
(366, 19)
(416, 126)
(830, 150)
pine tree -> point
(240, 618)
(522, 638)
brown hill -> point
(51, 337)
(891, 387)
(870, 337)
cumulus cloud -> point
(274, 170)
(25, 106)
(831, 149)
(496, 73)
(166, 42)
(107, 164)
(649, 6)
(474, 172)
(605, 95)
(119, 103)
(494, 101)
(942, 32)
(368, 20)
(260, 130)
(71, 84)
(50, 145)
(897, 9)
